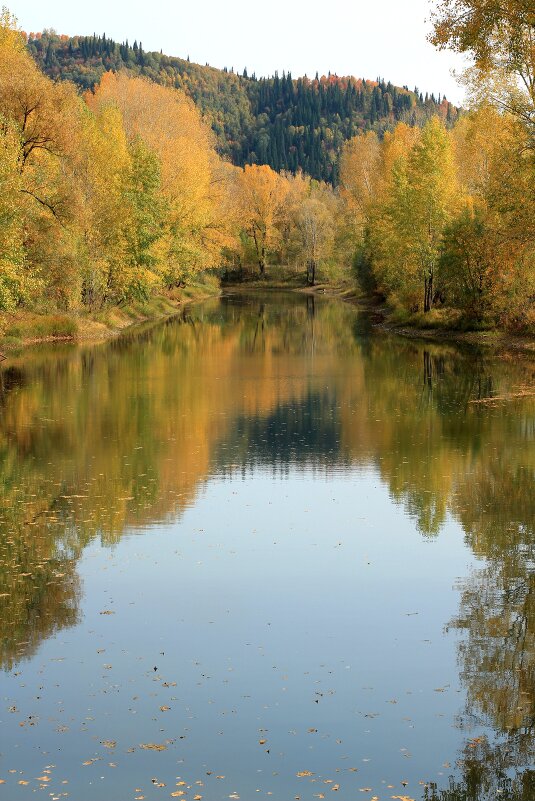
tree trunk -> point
(428, 293)
(311, 272)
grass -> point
(439, 319)
(55, 326)
(27, 327)
(33, 326)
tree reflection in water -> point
(98, 441)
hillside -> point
(286, 123)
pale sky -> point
(365, 39)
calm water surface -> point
(262, 551)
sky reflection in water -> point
(272, 542)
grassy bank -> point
(450, 325)
(24, 327)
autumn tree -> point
(262, 195)
(13, 286)
(499, 37)
(315, 223)
(45, 117)
(495, 232)
(427, 195)
(360, 174)
(171, 126)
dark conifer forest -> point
(287, 123)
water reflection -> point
(97, 441)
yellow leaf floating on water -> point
(153, 747)
(108, 743)
(304, 773)
(177, 793)
(43, 778)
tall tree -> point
(262, 202)
(499, 36)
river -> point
(263, 550)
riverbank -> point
(437, 328)
(24, 328)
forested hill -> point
(286, 123)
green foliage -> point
(286, 123)
(363, 265)
(446, 219)
(146, 224)
(466, 262)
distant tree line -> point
(285, 123)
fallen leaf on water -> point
(153, 747)
(108, 743)
(165, 708)
(304, 773)
(107, 612)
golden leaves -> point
(153, 746)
